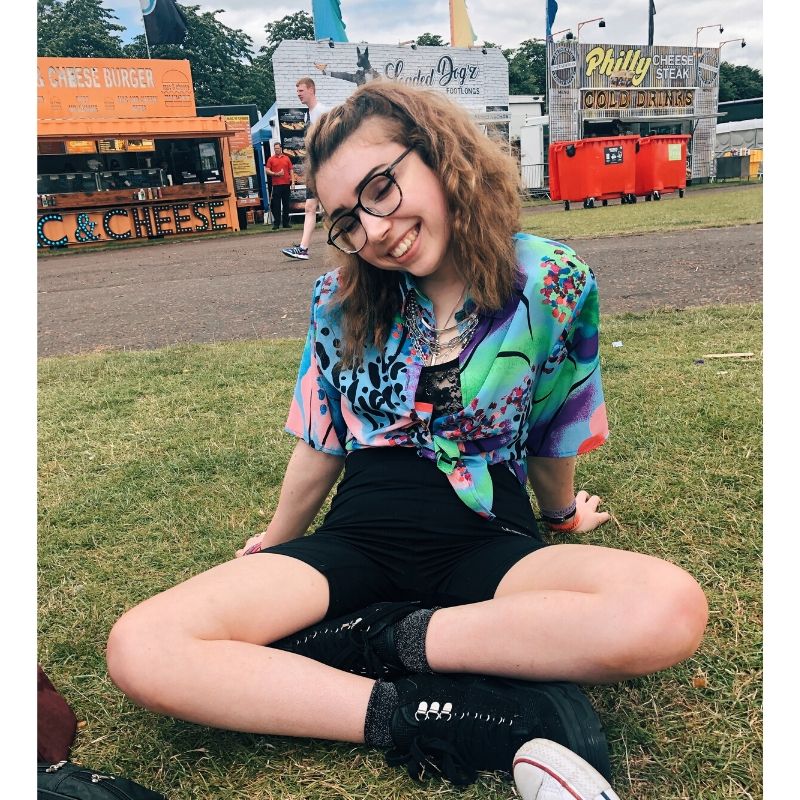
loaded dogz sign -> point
(475, 77)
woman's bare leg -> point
(196, 652)
(574, 612)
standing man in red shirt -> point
(279, 166)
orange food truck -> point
(123, 156)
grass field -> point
(699, 209)
(156, 465)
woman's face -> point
(415, 237)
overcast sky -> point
(508, 22)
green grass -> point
(734, 206)
(156, 465)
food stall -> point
(122, 155)
(600, 90)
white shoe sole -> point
(544, 770)
(296, 255)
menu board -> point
(140, 145)
(48, 147)
(81, 146)
(110, 145)
(243, 160)
(131, 145)
(292, 123)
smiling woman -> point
(447, 360)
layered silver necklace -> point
(436, 340)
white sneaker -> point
(544, 770)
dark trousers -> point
(280, 197)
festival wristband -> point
(564, 527)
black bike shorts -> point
(396, 530)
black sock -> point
(382, 704)
(409, 637)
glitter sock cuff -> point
(409, 636)
(382, 704)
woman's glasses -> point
(380, 196)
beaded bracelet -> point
(558, 516)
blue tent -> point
(261, 134)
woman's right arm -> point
(310, 475)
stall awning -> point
(261, 131)
(660, 118)
(174, 127)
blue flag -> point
(164, 22)
(552, 8)
(328, 20)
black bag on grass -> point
(67, 781)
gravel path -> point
(242, 287)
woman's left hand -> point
(588, 515)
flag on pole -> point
(550, 13)
(328, 22)
(461, 33)
(651, 25)
(164, 22)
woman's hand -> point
(589, 517)
(252, 545)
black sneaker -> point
(295, 251)
(361, 642)
(460, 724)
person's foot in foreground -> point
(296, 251)
(545, 770)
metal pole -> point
(146, 42)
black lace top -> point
(440, 386)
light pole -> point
(728, 41)
(566, 30)
(600, 20)
(702, 28)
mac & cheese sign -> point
(56, 229)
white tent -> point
(742, 134)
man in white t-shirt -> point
(307, 95)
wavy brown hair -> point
(481, 185)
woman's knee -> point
(135, 655)
(666, 625)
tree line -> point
(227, 70)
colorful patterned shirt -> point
(530, 379)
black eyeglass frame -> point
(387, 173)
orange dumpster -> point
(661, 165)
(596, 169)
